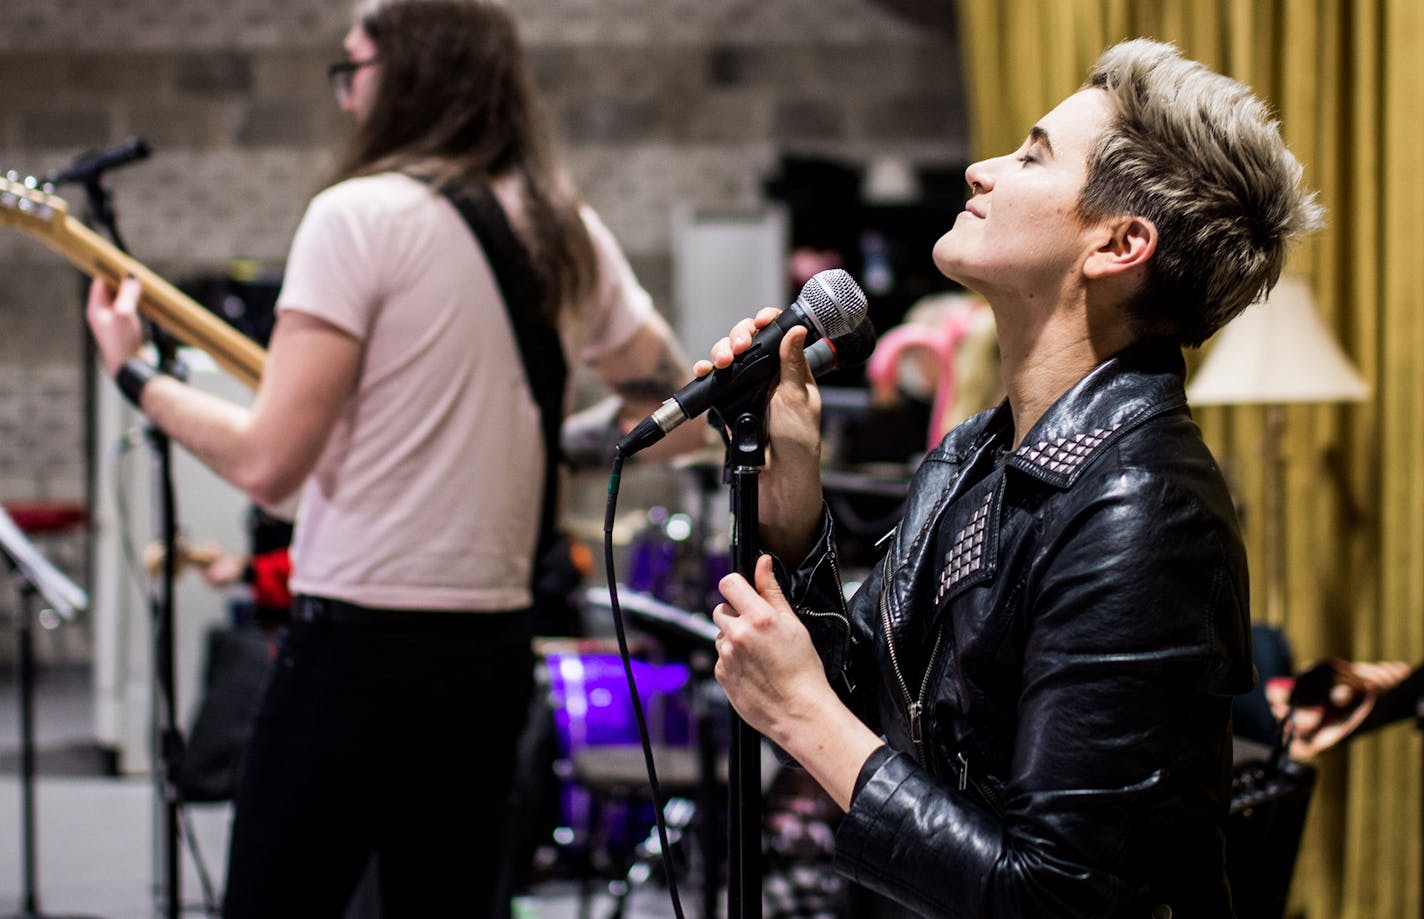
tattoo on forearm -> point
(666, 377)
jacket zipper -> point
(842, 615)
(917, 728)
(914, 706)
(844, 620)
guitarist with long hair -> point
(395, 401)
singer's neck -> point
(1045, 356)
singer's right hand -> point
(789, 488)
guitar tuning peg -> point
(32, 183)
(12, 175)
(47, 188)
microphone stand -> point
(746, 454)
(34, 576)
(165, 737)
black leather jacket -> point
(1049, 647)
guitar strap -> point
(540, 347)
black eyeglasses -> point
(340, 75)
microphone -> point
(89, 166)
(849, 350)
(830, 306)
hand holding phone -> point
(1330, 700)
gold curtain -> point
(1347, 81)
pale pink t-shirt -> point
(427, 494)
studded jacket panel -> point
(1050, 644)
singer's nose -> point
(979, 177)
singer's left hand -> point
(114, 321)
(775, 681)
(765, 659)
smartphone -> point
(1313, 686)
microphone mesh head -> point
(833, 301)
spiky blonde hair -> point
(1201, 157)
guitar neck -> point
(167, 306)
(161, 302)
(35, 209)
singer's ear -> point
(1123, 244)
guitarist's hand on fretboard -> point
(113, 318)
(33, 208)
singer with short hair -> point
(397, 401)
(1024, 711)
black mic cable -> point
(655, 792)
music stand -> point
(34, 575)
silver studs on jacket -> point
(1066, 453)
(966, 553)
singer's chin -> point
(946, 257)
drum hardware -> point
(603, 786)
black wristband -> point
(132, 377)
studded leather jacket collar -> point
(1049, 647)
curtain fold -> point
(1346, 79)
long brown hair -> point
(456, 102)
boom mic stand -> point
(166, 738)
(34, 576)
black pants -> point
(391, 740)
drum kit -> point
(594, 817)
(595, 801)
(597, 808)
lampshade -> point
(1275, 352)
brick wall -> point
(659, 104)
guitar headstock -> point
(28, 204)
